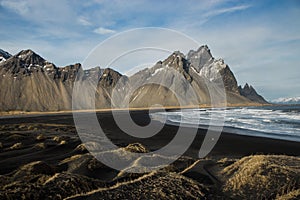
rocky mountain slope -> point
(31, 83)
(4, 55)
(249, 92)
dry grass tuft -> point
(225, 162)
(16, 146)
(154, 185)
(37, 167)
(81, 148)
(71, 158)
(136, 148)
(293, 195)
(32, 128)
(40, 137)
(22, 126)
(56, 139)
(263, 177)
(39, 146)
(63, 142)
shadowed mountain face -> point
(28, 82)
(250, 93)
(4, 55)
(31, 83)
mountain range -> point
(287, 100)
(31, 83)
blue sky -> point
(259, 40)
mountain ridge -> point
(4, 55)
(287, 100)
(39, 85)
(249, 92)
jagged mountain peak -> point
(30, 57)
(247, 86)
(26, 52)
(176, 55)
(249, 92)
(205, 66)
(109, 78)
(179, 54)
(214, 70)
(27, 61)
(200, 57)
(177, 61)
(4, 54)
(111, 71)
(203, 49)
(40, 85)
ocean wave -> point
(272, 122)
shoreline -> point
(227, 130)
(29, 113)
(242, 132)
(229, 144)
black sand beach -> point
(47, 148)
(229, 144)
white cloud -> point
(20, 7)
(41, 12)
(138, 46)
(84, 21)
(216, 12)
(104, 31)
(48, 18)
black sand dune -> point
(42, 158)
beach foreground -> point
(42, 157)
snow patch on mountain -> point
(158, 70)
(287, 100)
(4, 55)
(2, 59)
(212, 71)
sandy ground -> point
(42, 157)
(30, 113)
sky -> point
(259, 40)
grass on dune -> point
(264, 177)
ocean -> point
(277, 122)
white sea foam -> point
(273, 122)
